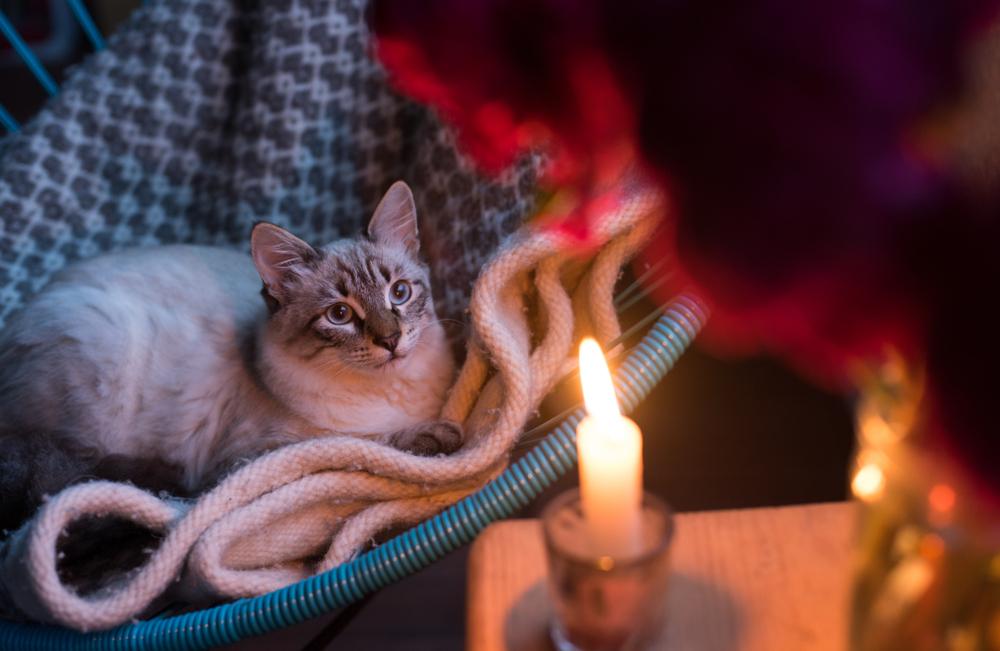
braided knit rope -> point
(325, 498)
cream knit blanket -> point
(267, 523)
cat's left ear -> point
(395, 219)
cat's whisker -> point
(332, 363)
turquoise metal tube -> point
(87, 23)
(8, 121)
(405, 554)
(29, 58)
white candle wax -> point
(609, 447)
(610, 454)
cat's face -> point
(361, 303)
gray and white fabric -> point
(205, 116)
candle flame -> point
(598, 389)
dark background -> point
(717, 434)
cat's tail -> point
(32, 466)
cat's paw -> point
(429, 439)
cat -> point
(166, 366)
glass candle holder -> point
(604, 603)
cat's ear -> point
(278, 255)
(395, 219)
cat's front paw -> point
(429, 439)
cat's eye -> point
(399, 293)
(340, 313)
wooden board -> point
(749, 580)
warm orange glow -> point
(941, 498)
(993, 632)
(869, 482)
(876, 431)
(932, 547)
(994, 570)
(598, 389)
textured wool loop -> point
(268, 522)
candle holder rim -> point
(620, 564)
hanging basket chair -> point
(199, 118)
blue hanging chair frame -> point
(551, 458)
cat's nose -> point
(389, 342)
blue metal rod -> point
(8, 121)
(87, 23)
(29, 58)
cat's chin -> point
(393, 360)
(389, 362)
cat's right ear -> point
(395, 219)
(279, 256)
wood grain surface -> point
(765, 579)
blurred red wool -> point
(813, 203)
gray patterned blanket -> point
(204, 116)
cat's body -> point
(169, 358)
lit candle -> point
(609, 447)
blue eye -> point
(400, 292)
(340, 313)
